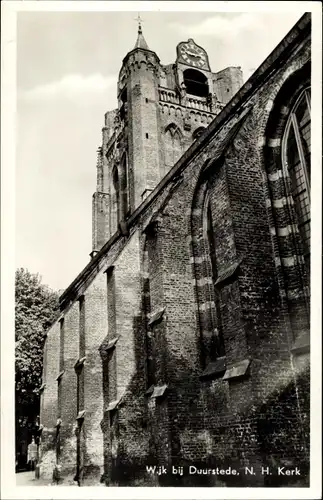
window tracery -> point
(296, 159)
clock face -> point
(192, 54)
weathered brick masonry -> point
(185, 340)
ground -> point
(28, 479)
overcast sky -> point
(67, 67)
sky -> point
(67, 68)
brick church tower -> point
(161, 111)
(185, 341)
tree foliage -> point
(36, 307)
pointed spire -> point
(141, 42)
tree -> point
(36, 307)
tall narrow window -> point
(205, 246)
(112, 326)
(124, 188)
(123, 102)
(110, 364)
(59, 390)
(218, 343)
(80, 371)
(149, 338)
(116, 195)
(61, 367)
(297, 159)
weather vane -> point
(139, 20)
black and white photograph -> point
(161, 295)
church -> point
(184, 344)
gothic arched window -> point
(217, 348)
(124, 187)
(115, 199)
(297, 159)
(204, 247)
(146, 309)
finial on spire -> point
(139, 20)
(141, 42)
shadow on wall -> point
(193, 427)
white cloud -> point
(69, 86)
(241, 39)
(221, 26)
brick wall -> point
(228, 82)
(49, 402)
(96, 329)
(68, 387)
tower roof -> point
(141, 42)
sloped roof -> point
(141, 42)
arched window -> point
(205, 269)
(123, 108)
(196, 83)
(124, 187)
(287, 160)
(217, 347)
(115, 199)
(296, 159)
(146, 310)
(173, 145)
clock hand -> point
(193, 54)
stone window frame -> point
(149, 233)
(293, 277)
(107, 348)
(124, 187)
(292, 123)
(206, 293)
(210, 254)
(115, 183)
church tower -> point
(161, 111)
(138, 95)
